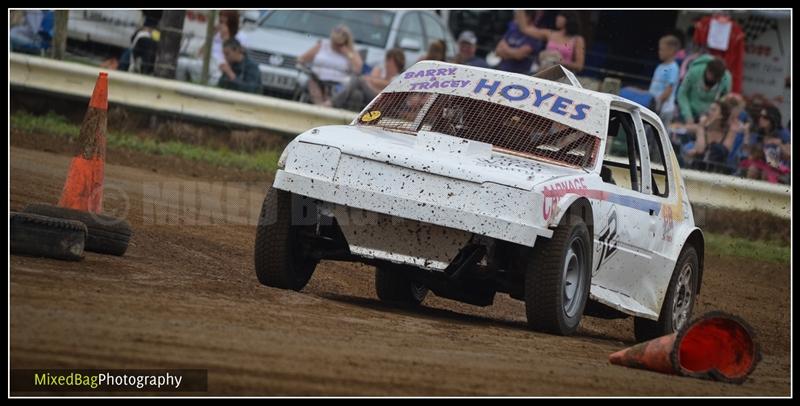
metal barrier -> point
(285, 116)
(730, 192)
(171, 96)
(715, 189)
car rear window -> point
(508, 129)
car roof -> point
(568, 104)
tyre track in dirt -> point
(187, 297)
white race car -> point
(468, 181)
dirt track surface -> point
(187, 297)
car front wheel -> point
(678, 303)
(558, 277)
(281, 257)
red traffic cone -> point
(83, 189)
(716, 346)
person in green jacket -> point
(706, 80)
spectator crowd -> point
(696, 89)
(712, 127)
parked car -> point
(108, 32)
(98, 31)
(283, 35)
(470, 181)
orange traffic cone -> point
(716, 346)
(83, 189)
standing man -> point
(467, 44)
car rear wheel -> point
(393, 286)
(678, 303)
(557, 278)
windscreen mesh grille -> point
(508, 129)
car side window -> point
(622, 153)
(410, 28)
(658, 167)
(433, 29)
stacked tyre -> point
(63, 233)
(42, 236)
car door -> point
(663, 192)
(624, 271)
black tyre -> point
(41, 236)
(280, 258)
(676, 310)
(558, 277)
(393, 286)
(107, 234)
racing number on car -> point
(608, 240)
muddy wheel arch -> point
(697, 240)
(573, 203)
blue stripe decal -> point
(635, 203)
